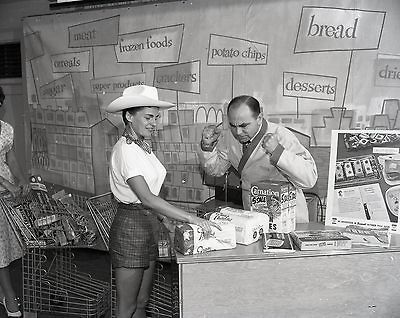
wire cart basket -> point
(53, 284)
(49, 229)
(164, 296)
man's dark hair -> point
(2, 96)
(132, 111)
(250, 101)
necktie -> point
(245, 146)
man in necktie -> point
(258, 150)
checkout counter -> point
(245, 282)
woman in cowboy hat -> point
(136, 177)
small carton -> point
(249, 225)
(291, 225)
(272, 198)
(189, 239)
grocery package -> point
(189, 239)
(249, 225)
(277, 199)
(321, 240)
(43, 220)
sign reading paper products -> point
(161, 45)
(95, 33)
(364, 179)
(387, 70)
(184, 77)
(311, 86)
(335, 29)
(116, 84)
(225, 50)
(58, 89)
(70, 62)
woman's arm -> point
(160, 206)
(16, 171)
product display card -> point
(364, 179)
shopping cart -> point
(103, 208)
(53, 284)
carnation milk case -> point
(249, 225)
(277, 199)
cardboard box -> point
(249, 225)
(321, 240)
(277, 199)
(189, 239)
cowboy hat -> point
(137, 96)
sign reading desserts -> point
(311, 86)
(364, 179)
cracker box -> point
(249, 225)
(272, 198)
(189, 239)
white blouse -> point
(129, 160)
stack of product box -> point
(277, 199)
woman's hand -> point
(206, 225)
(25, 188)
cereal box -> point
(249, 225)
(189, 239)
(272, 198)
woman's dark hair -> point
(2, 96)
(250, 101)
(132, 111)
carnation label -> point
(272, 198)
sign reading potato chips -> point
(225, 50)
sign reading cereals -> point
(70, 62)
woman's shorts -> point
(132, 239)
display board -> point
(314, 67)
(364, 178)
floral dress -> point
(10, 248)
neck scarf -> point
(131, 136)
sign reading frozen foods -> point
(161, 45)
